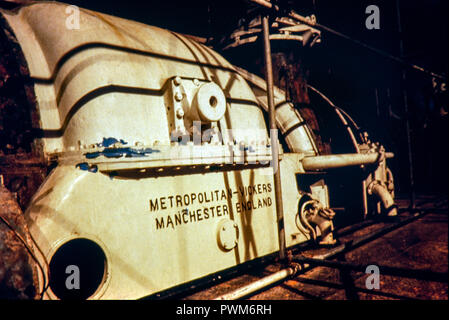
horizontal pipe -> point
(290, 271)
(266, 4)
(258, 285)
(341, 160)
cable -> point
(46, 283)
(314, 24)
(338, 109)
(380, 52)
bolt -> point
(178, 96)
(179, 113)
(196, 82)
(177, 81)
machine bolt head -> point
(178, 96)
(177, 81)
(180, 113)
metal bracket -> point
(177, 99)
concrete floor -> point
(420, 245)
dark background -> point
(365, 84)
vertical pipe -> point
(406, 111)
(274, 137)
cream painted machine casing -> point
(123, 110)
(115, 78)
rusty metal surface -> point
(421, 245)
(22, 174)
(18, 112)
(17, 279)
(21, 161)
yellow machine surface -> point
(163, 154)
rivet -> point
(177, 81)
(178, 96)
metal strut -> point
(274, 137)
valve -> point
(313, 215)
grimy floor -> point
(420, 245)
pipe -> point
(351, 134)
(340, 115)
(295, 269)
(259, 284)
(341, 160)
(377, 189)
(303, 219)
(266, 4)
(390, 181)
(274, 138)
